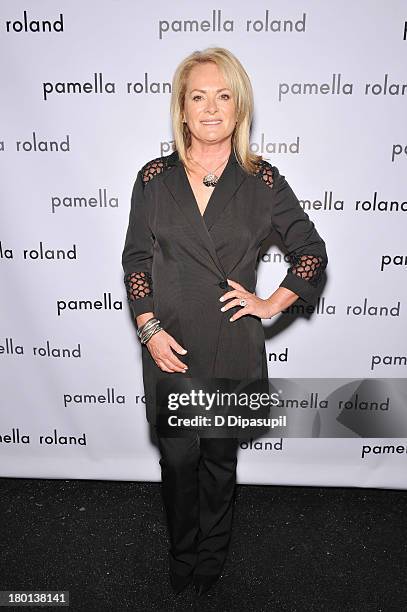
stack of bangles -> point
(148, 329)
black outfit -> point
(176, 262)
(198, 487)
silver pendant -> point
(210, 180)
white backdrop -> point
(330, 95)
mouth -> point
(212, 122)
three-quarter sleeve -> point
(306, 249)
(137, 254)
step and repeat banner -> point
(85, 93)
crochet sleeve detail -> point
(265, 173)
(138, 285)
(308, 267)
(152, 169)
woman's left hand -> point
(254, 305)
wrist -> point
(273, 307)
(281, 299)
(143, 318)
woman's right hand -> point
(160, 346)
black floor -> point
(293, 548)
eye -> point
(225, 96)
(196, 97)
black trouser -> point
(198, 489)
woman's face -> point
(209, 107)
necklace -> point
(210, 179)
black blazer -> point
(176, 262)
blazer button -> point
(223, 284)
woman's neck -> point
(209, 154)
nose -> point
(211, 105)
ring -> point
(243, 303)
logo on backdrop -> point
(31, 24)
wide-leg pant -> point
(198, 490)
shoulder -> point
(266, 173)
(155, 167)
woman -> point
(197, 221)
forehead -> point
(205, 76)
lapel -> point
(229, 182)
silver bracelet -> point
(148, 329)
(140, 329)
(146, 338)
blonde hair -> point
(238, 82)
